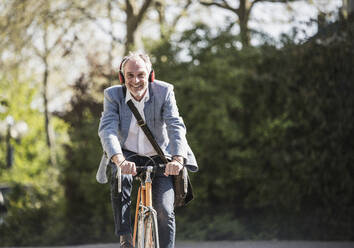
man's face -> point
(136, 78)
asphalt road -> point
(231, 244)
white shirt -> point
(137, 140)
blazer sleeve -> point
(108, 127)
(176, 129)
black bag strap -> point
(182, 185)
(147, 131)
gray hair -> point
(135, 56)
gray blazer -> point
(162, 118)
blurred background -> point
(265, 88)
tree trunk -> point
(48, 130)
(110, 55)
(134, 19)
(243, 15)
(45, 102)
(130, 39)
(52, 158)
(348, 8)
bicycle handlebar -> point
(153, 167)
(141, 168)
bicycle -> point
(145, 233)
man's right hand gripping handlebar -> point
(126, 166)
(123, 167)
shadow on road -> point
(238, 244)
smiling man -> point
(122, 137)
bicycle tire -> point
(141, 227)
(155, 232)
(147, 229)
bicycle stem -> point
(148, 183)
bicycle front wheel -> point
(147, 230)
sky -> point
(276, 19)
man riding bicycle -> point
(121, 136)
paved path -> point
(239, 244)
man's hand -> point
(126, 166)
(174, 167)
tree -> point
(278, 123)
(134, 16)
(242, 11)
(348, 8)
(167, 29)
(33, 183)
(38, 27)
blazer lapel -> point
(126, 118)
(149, 110)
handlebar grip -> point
(185, 180)
(119, 179)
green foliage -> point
(272, 131)
(17, 97)
(302, 137)
(211, 227)
(34, 190)
(32, 219)
(87, 209)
